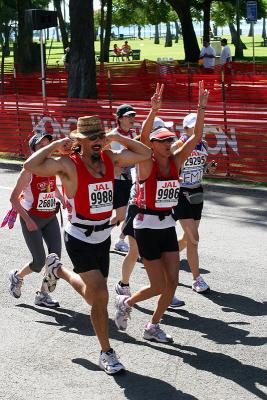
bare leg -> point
(190, 228)
(129, 261)
(170, 262)
(24, 271)
(163, 278)
(92, 287)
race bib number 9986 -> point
(167, 193)
(46, 202)
(100, 197)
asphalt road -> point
(220, 339)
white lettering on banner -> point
(222, 139)
(58, 129)
(167, 193)
(46, 201)
(100, 197)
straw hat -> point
(86, 126)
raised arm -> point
(42, 164)
(155, 107)
(183, 152)
(134, 152)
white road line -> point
(6, 187)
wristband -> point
(201, 107)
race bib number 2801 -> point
(100, 197)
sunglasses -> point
(167, 140)
(96, 136)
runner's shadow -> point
(75, 322)
(236, 303)
(140, 387)
(69, 321)
(221, 365)
(184, 266)
(212, 329)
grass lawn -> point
(151, 51)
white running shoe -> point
(121, 245)
(155, 333)
(123, 290)
(122, 312)
(15, 284)
(200, 286)
(51, 265)
(109, 363)
(176, 303)
(45, 300)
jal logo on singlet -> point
(100, 197)
(46, 201)
(167, 193)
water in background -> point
(149, 30)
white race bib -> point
(195, 161)
(167, 193)
(100, 197)
(46, 201)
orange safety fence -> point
(236, 133)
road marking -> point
(6, 187)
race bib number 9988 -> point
(167, 193)
(100, 197)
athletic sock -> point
(123, 284)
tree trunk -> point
(62, 26)
(206, 20)
(6, 47)
(177, 30)
(191, 48)
(25, 53)
(238, 45)
(139, 27)
(106, 42)
(168, 39)
(57, 34)
(82, 68)
(156, 40)
(264, 28)
(238, 53)
(101, 35)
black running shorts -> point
(122, 191)
(153, 242)
(86, 256)
(185, 210)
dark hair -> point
(224, 41)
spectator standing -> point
(226, 52)
(207, 54)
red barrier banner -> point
(236, 137)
